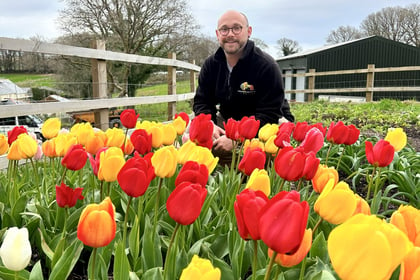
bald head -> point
(232, 15)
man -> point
(239, 80)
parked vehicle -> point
(31, 122)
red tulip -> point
(381, 154)
(290, 163)
(201, 130)
(248, 128)
(247, 206)
(283, 222)
(66, 196)
(75, 158)
(283, 134)
(185, 202)
(232, 129)
(337, 133)
(252, 159)
(321, 128)
(184, 116)
(94, 161)
(135, 175)
(14, 133)
(311, 166)
(313, 141)
(193, 172)
(300, 131)
(142, 141)
(352, 136)
(129, 118)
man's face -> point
(233, 32)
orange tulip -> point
(4, 145)
(410, 267)
(407, 219)
(322, 176)
(289, 260)
(97, 224)
(48, 148)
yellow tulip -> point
(270, 147)
(259, 181)
(165, 161)
(200, 269)
(169, 134)
(63, 142)
(362, 206)
(14, 153)
(4, 145)
(253, 143)
(366, 247)
(180, 125)
(322, 176)
(83, 132)
(27, 145)
(191, 151)
(397, 138)
(410, 267)
(110, 164)
(51, 127)
(157, 135)
(336, 203)
(407, 219)
(267, 131)
(114, 137)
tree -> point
(287, 47)
(151, 27)
(261, 44)
(344, 34)
(395, 23)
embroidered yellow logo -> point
(246, 86)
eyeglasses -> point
(236, 30)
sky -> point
(306, 21)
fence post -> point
(311, 85)
(99, 86)
(193, 84)
(370, 82)
(171, 87)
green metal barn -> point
(356, 54)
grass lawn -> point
(31, 80)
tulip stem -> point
(339, 160)
(125, 221)
(370, 183)
(16, 275)
(328, 153)
(155, 218)
(318, 223)
(254, 261)
(270, 266)
(168, 256)
(302, 269)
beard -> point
(232, 46)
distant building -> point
(9, 90)
(356, 54)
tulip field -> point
(304, 200)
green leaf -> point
(6, 274)
(323, 275)
(151, 247)
(45, 248)
(134, 239)
(121, 264)
(58, 251)
(153, 273)
(67, 261)
(36, 272)
(319, 248)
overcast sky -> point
(306, 21)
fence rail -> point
(100, 104)
(311, 89)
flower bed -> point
(298, 201)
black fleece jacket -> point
(253, 88)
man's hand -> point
(217, 132)
(223, 144)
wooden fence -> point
(100, 104)
(370, 88)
